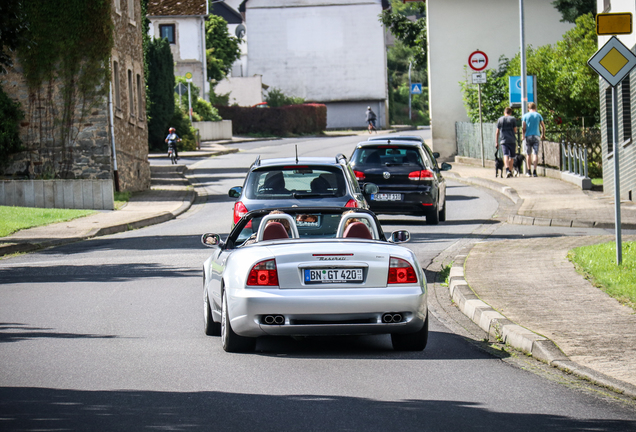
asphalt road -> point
(107, 334)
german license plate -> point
(317, 276)
(386, 197)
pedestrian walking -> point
(532, 121)
(506, 136)
(371, 120)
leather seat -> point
(357, 230)
(275, 231)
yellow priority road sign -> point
(613, 61)
(609, 24)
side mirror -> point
(235, 192)
(371, 188)
(211, 240)
(446, 166)
(400, 236)
(435, 155)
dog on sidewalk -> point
(499, 166)
(517, 164)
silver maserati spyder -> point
(313, 271)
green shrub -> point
(161, 82)
(181, 122)
(276, 98)
(283, 121)
(206, 111)
(10, 116)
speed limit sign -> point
(478, 60)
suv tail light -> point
(352, 203)
(239, 211)
(263, 273)
(419, 175)
(359, 175)
(400, 271)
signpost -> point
(478, 61)
(188, 76)
(613, 62)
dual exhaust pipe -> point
(274, 319)
(392, 317)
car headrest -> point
(275, 231)
(357, 230)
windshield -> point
(295, 181)
(387, 155)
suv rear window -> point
(387, 155)
(295, 180)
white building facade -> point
(183, 23)
(325, 51)
(456, 28)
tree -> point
(568, 90)
(13, 23)
(276, 98)
(407, 23)
(160, 91)
(572, 9)
(222, 50)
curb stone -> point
(502, 330)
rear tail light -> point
(359, 175)
(263, 274)
(419, 175)
(239, 211)
(352, 203)
(400, 271)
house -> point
(325, 51)
(78, 162)
(182, 22)
(456, 28)
(626, 103)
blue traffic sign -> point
(515, 89)
(416, 88)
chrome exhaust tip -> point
(387, 318)
(279, 319)
(269, 319)
(274, 319)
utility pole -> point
(410, 91)
(524, 90)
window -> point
(139, 98)
(118, 6)
(607, 5)
(626, 106)
(131, 102)
(167, 31)
(117, 95)
(131, 11)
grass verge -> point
(444, 273)
(598, 264)
(121, 198)
(13, 219)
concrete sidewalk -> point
(526, 293)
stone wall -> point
(84, 154)
(129, 102)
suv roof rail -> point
(341, 156)
(257, 162)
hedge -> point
(282, 121)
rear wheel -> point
(230, 340)
(432, 217)
(412, 341)
(211, 328)
(442, 213)
(173, 159)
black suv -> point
(299, 182)
(407, 175)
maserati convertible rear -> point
(326, 272)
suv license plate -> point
(386, 197)
(318, 276)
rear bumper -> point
(327, 311)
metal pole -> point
(481, 128)
(524, 90)
(112, 136)
(409, 91)
(617, 186)
(189, 103)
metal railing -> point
(574, 159)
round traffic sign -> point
(188, 75)
(478, 60)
